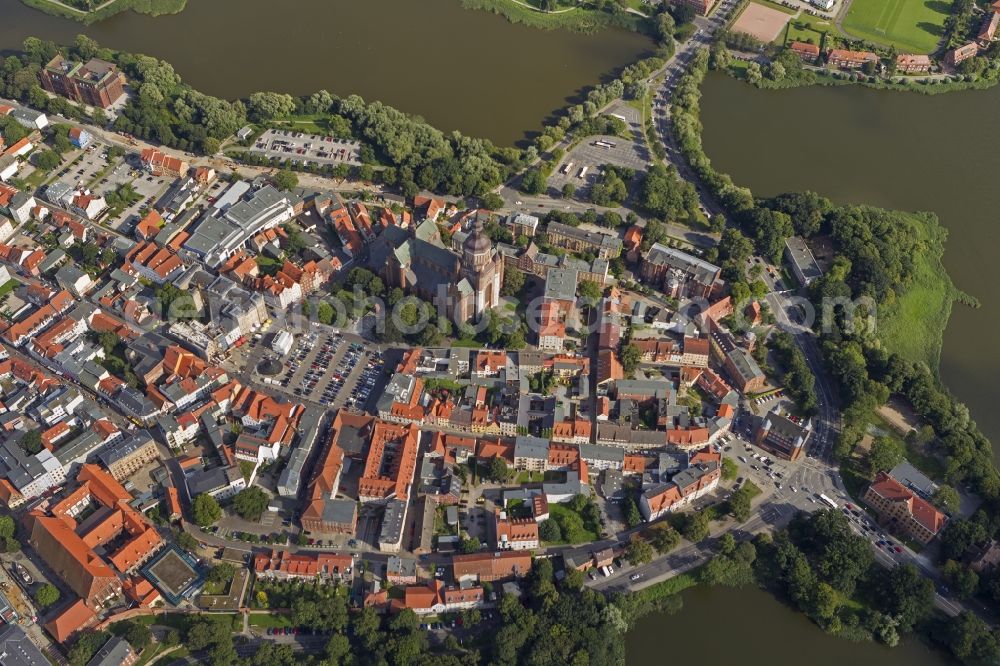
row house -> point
(152, 262)
(283, 565)
(699, 478)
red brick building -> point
(912, 63)
(851, 59)
(807, 52)
(96, 83)
(960, 54)
(903, 511)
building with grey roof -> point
(51, 260)
(560, 284)
(600, 457)
(221, 232)
(914, 479)
(782, 436)
(219, 482)
(678, 274)
(576, 239)
(290, 479)
(801, 260)
(390, 537)
(557, 492)
(530, 453)
(30, 118)
(80, 450)
(30, 475)
(115, 652)
(16, 649)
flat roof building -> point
(802, 261)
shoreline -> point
(107, 9)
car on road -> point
(635, 577)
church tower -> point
(483, 268)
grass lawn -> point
(246, 467)
(265, 620)
(530, 477)
(775, 5)
(585, 536)
(470, 344)
(808, 29)
(913, 327)
(909, 25)
(8, 286)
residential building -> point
(390, 536)
(580, 240)
(960, 54)
(678, 274)
(807, 52)
(127, 456)
(116, 652)
(702, 7)
(531, 453)
(522, 224)
(903, 511)
(845, 59)
(489, 567)
(16, 649)
(94, 83)
(436, 597)
(699, 476)
(515, 533)
(159, 163)
(153, 262)
(913, 63)
(780, 435)
(283, 565)
(219, 482)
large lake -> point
(747, 626)
(460, 69)
(897, 150)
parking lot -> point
(591, 154)
(306, 148)
(150, 188)
(324, 368)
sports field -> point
(912, 26)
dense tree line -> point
(798, 378)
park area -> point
(914, 26)
(761, 22)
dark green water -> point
(459, 69)
(898, 150)
(747, 626)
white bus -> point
(583, 172)
(828, 500)
(604, 144)
(619, 117)
(567, 167)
